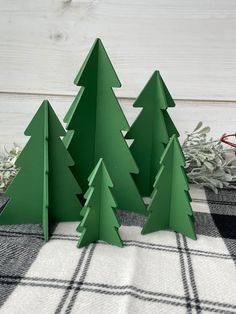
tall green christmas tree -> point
(170, 204)
(94, 122)
(151, 131)
(100, 221)
(44, 189)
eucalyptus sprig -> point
(207, 162)
(8, 169)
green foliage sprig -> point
(8, 169)
(207, 162)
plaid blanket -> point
(162, 272)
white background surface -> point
(193, 43)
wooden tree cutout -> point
(44, 190)
(94, 123)
(170, 204)
(151, 131)
(100, 221)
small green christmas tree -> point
(94, 123)
(44, 189)
(170, 204)
(151, 131)
(100, 221)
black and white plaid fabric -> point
(162, 272)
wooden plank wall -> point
(193, 43)
(18, 109)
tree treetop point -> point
(155, 93)
(45, 115)
(97, 62)
(100, 170)
(177, 151)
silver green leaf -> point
(8, 169)
(207, 161)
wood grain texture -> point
(16, 111)
(43, 44)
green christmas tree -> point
(151, 131)
(100, 221)
(170, 204)
(94, 123)
(44, 189)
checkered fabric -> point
(162, 272)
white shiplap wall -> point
(193, 42)
(18, 110)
